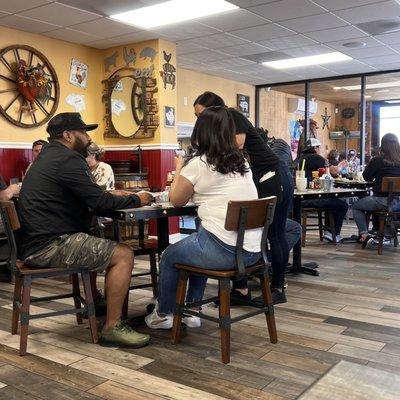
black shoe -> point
(5, 275)
(278, 297)
(100, 306)
(236, 298)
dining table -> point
(311, 194)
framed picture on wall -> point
(169, 117)
(78, 73)
(243, 104)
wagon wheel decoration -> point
(29, 89)
(139, 100)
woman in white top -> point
(216, 173)
(102, 172)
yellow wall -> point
(191, 84)
(59, 54)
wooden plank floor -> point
(350, 312)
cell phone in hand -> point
(180, 152)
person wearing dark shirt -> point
(56, 203)
(385, 164)
(270, 179)
(312, 162)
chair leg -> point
(16, 304)
(269, 314)
(90, 306)
(332, 226)
(76, 292)
(153, 273)
(225, 319)
(320, 226)
(26, 300)
(178, 312)
(382, 220)
(304, 229)
(396, 241)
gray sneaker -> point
(124, 336)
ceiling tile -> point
(186, 47)
(59, 14)
(350, 67)
(313, 23)
(381, 60)
(333, 5)
(105, 28)
(389, 38)
(245, 49)
(288, 42)
(389, 66)
(285, 9)
(15, 6)
(370, 12)
(230, 63)
(207, 55)
(250, 3)
(107, 7)
(370, 52)
(101, 44)
(262, 33)
(135, 37)
(217, 41)
(236, 19)
(312, 72)
(344, 32)
(69, 35)
(308, 50)
(185, 30)
(26, 24)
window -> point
(389, 120)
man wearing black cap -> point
(55, 205)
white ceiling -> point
(219, 44)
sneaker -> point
(156, 321)
(191, 321)
(236, 298)
(328, 236)
(123, 335)
(338, 239)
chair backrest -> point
(249, 214)
(390, 184)
(10, 221)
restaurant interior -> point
(138, 77)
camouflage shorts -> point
(72, 251)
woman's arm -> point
(181, 188)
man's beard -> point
(81, 147)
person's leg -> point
(339, 208)
(364, 205)
(293, 232)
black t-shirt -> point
(262, 158)
(312, 163)
(3, 184)
(376, 170)
(283, 151)
(57, 197)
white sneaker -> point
(191, 321)
(328, 236)
(338, 238)
(155, 321)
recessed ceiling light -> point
(309, 60)
(370, 86)
(392, 101)
(354, 45)
(172, 11)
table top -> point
(335, 192)
(352, 183)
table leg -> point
(297, 266)
(162, 234)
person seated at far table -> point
(215, 174)
(312, 162)
(55, 209)
(385, 164)
(37, 147)
(8, 192)
(102, 172)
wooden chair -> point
(25, 275)
(140, 246)
(240, 216)
(320, 226)
(391, 186)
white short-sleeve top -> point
(213, 191)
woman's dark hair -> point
(208, 99)
(214, 137)
(342, 156)
(333, 155)
(390, 149)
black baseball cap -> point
(68, 121)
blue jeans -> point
(293, 232)
(201, 249)
(364, 206)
